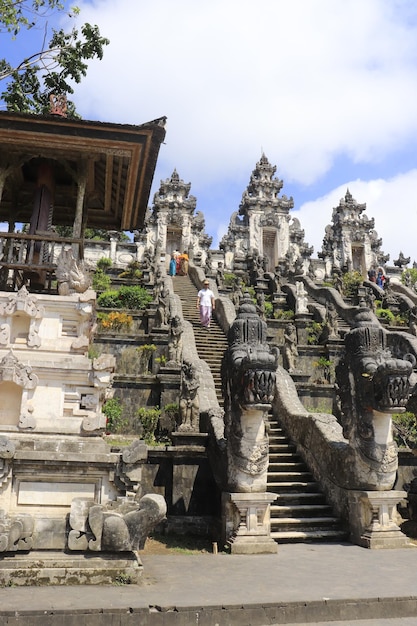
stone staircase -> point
(210, 343)
(300, 513)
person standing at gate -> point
(206, 304)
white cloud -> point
(307, 81)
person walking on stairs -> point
(206, 304)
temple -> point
(121, 414)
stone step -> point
(279, 486)
(289, 476)
(300, 510)
(309, 535)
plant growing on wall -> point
(145, 353)
(113, 410)
(405, 429)
(324, 368)
(314, 332)
(146, 422)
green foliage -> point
(386, 315)
(109, 299)
(351, 282)
(269, 309)
(283, 314)
(168, 422)
(134, 297)
(405, 429)
(54, 67)
(229, 279)
(412, 273)
(104, 263)
(101, 281)
(314, 332)
(324, 365)
(93, 352)
(132, 271)
(113, 411)
(146, 421)
(127, 297)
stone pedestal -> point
(373, 519)
(169, 377)
(246, 522)
(302, 321)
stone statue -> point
(175, 340)
(237, 293)
(373, 384)
(260, 304)
(189, 400)
(412, 321)
(220, 275)
(290, 351)
(117, 526)
(331, 321)
(162, 311)
(72, 276)
(301, 299)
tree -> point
(52, 68)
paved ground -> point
(328, 580)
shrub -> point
(109, 299)
(132, 271)
(405, 429)
(115, 321)
(146, 421)
(351, 282)
(269, 309)
(101, 281)
(134, 297)
(283, 314)
(412, 273)
(127, 297)
(113, 412)
(229, 279)
(385, 315)
(104, 263)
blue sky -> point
(327, 89)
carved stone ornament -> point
(372, 385)
(12, 370)
(16, 532)
(117, 526)
(73, 276)
(251, 365)
(22, 302)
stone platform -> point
(301, 584)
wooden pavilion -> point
(59, 171)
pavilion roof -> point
(119, 161)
